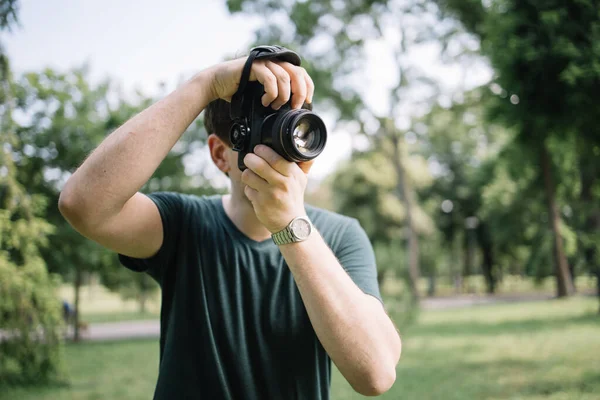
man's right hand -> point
(280, 79)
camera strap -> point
(259, 53)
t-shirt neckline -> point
(232, 228)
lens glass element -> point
(305, 136)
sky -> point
(141, 43)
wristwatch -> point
(297, 231)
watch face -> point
(301, 228)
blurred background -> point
(463, 136)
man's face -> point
(226, 159)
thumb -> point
(306, 166)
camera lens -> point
(298, 135)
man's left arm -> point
(352, 326)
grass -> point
(109, 370)
(527, 351)
(543, 350)
(118, 316)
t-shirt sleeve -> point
(355, 254)
(170, 206)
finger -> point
(261, 168)
(283, 85)
(310, 87)
(298, 84)
(250, 193)
(250, 178)
(266, 77)
(306, 166)
(278, 163)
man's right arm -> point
(101, 199)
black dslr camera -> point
(295, 134)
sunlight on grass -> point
(511, 351)
(526, 351)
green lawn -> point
(118, 317)
(545, 350)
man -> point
(242, 317)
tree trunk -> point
(406, 195)
(431, 285)
(487, 265)
(564, 284)
(589, 169)
(381, 277)
(413, 259)
(78, 281)
(598, 287)
(469, 252)
(455, 270)
(572, 273)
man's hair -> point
(217, 118)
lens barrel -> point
(298, 135)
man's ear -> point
(218, 154)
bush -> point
(31, 324)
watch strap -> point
(284, 236)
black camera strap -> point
(259, 53)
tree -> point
(545, 55)
(30, 317)
(366, 188)
(461, 147)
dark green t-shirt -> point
(233, 324)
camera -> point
(297, 135)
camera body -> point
(297, 135)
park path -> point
(151, 328)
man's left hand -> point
(275, 187)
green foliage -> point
(31, 322)
(549, 59)
(365, 188)
(470, 12)
(30, 317)
(545, 55)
